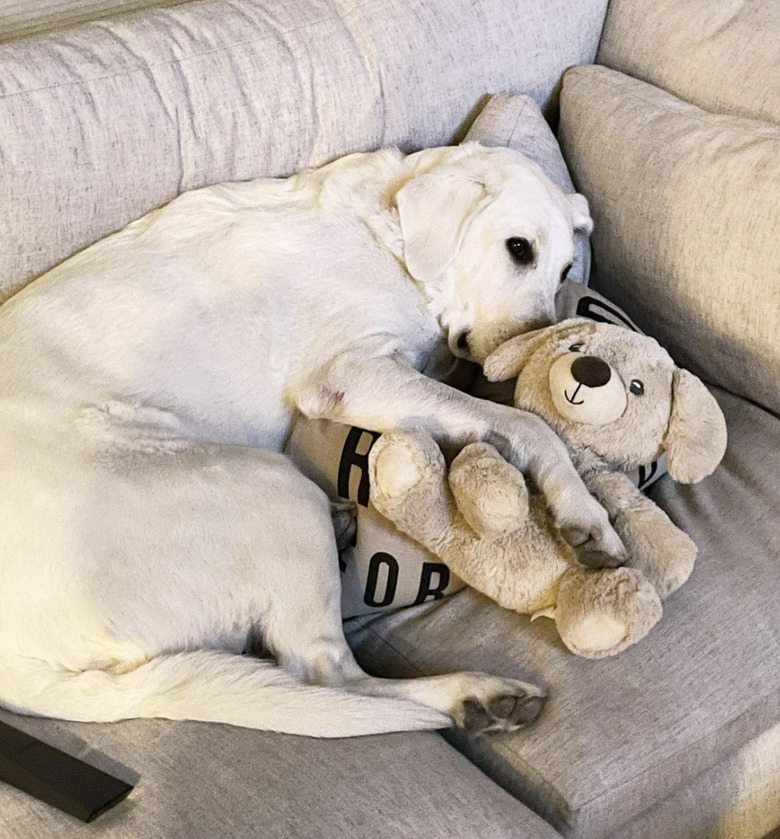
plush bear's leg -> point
(408, 486)
(519, 570)
(600, 613)
(490, 492)
(655, 545)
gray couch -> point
(678, 737)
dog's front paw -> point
(496, 704)
(594, 540)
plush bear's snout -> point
(585, 389)
(591, 371)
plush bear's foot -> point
(401, 462)
(409, 487)
(499, 705)
(490, 493)
(602, 613)
(658, 548)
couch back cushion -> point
(721, 55)
(28, 17)
(105, 122)
(686, 206)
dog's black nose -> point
(463, 341)
(591, 371)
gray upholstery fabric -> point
(104, 122)
(28, 17)
(517, 122)
(719, 54)
(621, 734)
(746, 786)
(201, 781)
(686, 207)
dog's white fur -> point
(148, 525)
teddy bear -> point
(617, 400)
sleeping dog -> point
(149, 526)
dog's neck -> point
(372, 183)
(385, 227)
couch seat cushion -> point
(621, 734)
(204, 780)
(737, 799)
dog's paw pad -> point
(590, 556)
(506, 712)
(475, 717)
(574, 535)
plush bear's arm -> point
(654, 544)
(409, 486)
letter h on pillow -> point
(617, 400)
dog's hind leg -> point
(304, 630)
(472, 700)
(148, 586)
(160, 569)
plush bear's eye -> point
(575, 348)
(636, 387)
(565, 272)
(521, 250)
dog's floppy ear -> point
(580, 213)
(435, 210)
(695, 440)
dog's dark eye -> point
(565, 272)
(575, 347)
(521, 250)
(636, 387)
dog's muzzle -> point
(459, 344)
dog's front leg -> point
(382, 394)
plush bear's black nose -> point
(591, 371)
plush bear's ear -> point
(508, 360)
(695, 440)
(435, 210)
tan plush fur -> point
(576, 376)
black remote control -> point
(57, 778)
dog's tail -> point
(210, 687)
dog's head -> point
(489, 237)
(617, 393)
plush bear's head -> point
(616, 393)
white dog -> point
(149, 528)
